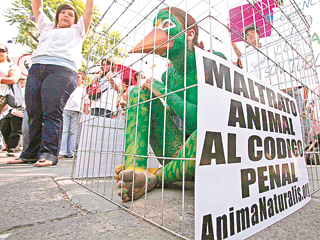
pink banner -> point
(244, 15)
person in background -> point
(140, 77)
(105, 105)
(52, 78)
(71, 115)
(255, 62)
(11, 126)
(9, 74)
(252, 61)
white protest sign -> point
(250, 168)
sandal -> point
(21, 161)
(44, 163)
(16, 161)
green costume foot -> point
(138, 178)
(118, 171)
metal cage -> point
(288, 65)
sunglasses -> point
(2, 50)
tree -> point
(21, 13)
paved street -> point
(43, 203)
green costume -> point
(166, 139)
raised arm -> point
(87, 15)
(238, 53)
(113, 84)
(236, 49)
(37, 8)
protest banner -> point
(250, 168)
(259, 12)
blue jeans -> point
(47, 91)
(69, 132)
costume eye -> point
(166, 24)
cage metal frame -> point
(308, 80)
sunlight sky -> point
(9, 31)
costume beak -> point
(152, 41)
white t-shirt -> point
(60, 42)
(74, 101)
(108, 98)
(4, 71)
(254, 62)
(258, 63)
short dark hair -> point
(251, 27)
(127, 82)
(136, 74)
(63, 7)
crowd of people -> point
(44, 128)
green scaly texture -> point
(166, 139)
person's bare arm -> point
(124, 94)
(236, 49)
(238, 53)
(37, 8)
(86, 109)
(114, 85)
(87, 15)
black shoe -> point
(10, 153)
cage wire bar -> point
(284, 59)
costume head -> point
(69, 7)
(168, 24)
(181, 15)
